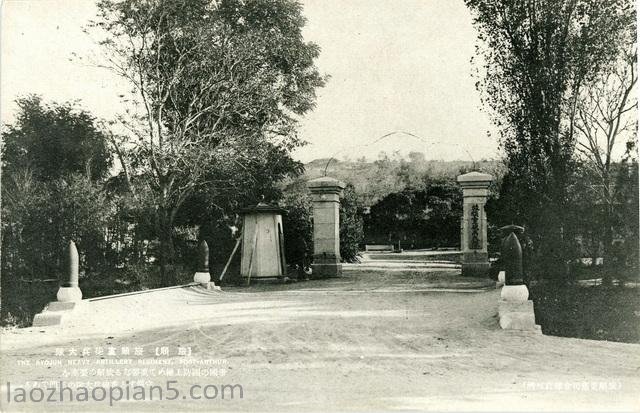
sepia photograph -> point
(319, 206)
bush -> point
(351, 225)
(597, 313)
(297, 225)
(39, 219)
(420, 218)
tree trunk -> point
(608, 265)
(164, 227)
(607, 258)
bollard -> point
(69, 290)
(202, 275)
(515, 310)
(512, 260)
(511, 255)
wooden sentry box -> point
(262, 242)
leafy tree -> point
(54, 140)
(351, 225)
(394, 215)
(429, 216)
(538, 55)
(55, 158)
(382, 179)
(38, 221)
(297, 225)
(216, 85)
(409, 174)
(444, 211)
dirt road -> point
(350, 344)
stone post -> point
(515, 311)
(202, 274)
(473, 244)
(69, 290)
(69, 295)
(514, 289)
(326, 193)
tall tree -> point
(54, 161)
(607, 119)
(214, 82)
(53, 140)
(538, 55)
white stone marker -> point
(68, 296)
(515, 310)
(70, 291)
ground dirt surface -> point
(382, 338)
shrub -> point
(351, 225)
(39, 219)
(297, 224)
(424, 217)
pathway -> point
(373, 340)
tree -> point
(351, 225)
(297, 224)
(443, 212)
(53, 140)
(538, 55)
(38, 221)
(429, 216)
(627, 211)
(55, 158)
(607, 113)
(216, 83)
(394, 215)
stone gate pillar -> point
(325, 194)
(473, 244)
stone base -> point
(515, 315)
(501, 279)
(69, 294)
(515, 293)
(45, 319)
(475, 269)
(53, 313)
(515, 311)
(202, 277)
(508, 307)
(210, 286)
(326, 270)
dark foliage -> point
(418, 218)
(537, 56)
(597, 313)
(351, 225)
(54, 140)
(297, 225)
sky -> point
(397, 67)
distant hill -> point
(375, 179)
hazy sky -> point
(395, 65)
